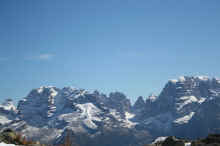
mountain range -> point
(187, 107)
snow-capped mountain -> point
(178, 105)
(55, 111)
(183, 104)
(8, 112)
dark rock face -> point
(206, 120)
(108, 137)
(173, 141)
(183, 105)
(210, 140)
(139, 105)
(38, 106)
(119, 101)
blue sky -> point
(133, 46)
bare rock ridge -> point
(187, 107)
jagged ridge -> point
(179, 108)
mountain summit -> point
(187, 107)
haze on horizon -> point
(120, 45)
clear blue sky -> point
(133, 46)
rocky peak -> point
(39, 105)
(119, 101)
(8, 105)
(8, 112)
(139, 103)
(198, 86)
(117, 96)
(69, 96)
(152, 98)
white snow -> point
(217, 80)
(89, 112)
(128, 122)
(4, 144)
(184, 119)
(4, 120)
(152, 98)
(8, 106)
(182, 79)
(201, 100)
(81, 92)
(214, 92)
(173, 81)
(203, 78)
(42, 88)
(184, 100)
(53, 92)
(129, 115)
(159, 139)
(115, 114)
(188, 144)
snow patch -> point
(203, 78)
(185, 119)
(173, 81)
(8, 106)
(188, 144)
(129, 115)
(128, 122)
(182, 79)
(53, 92)
(89, 113)
(160, 139)
(184, 100)
(4, 120)
(201, 100)
(152, 98)
(4, 144)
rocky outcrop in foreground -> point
(10, 137)
(210, 140)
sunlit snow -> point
(184, 100)
(182, 79)
(184, 119)
(159, 139)
(188, 144)
(203, 78)
(4, 144)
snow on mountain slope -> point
(4, 120)
(185, 100)
(7, 112)
(152, 98)
(159, 139)
(39, 105)
(176, 106)
(8, 105)
(128, 120)
(88, 114)
(184, 119)
(53, 110)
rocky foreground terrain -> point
(188, 107)
(210, 140)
